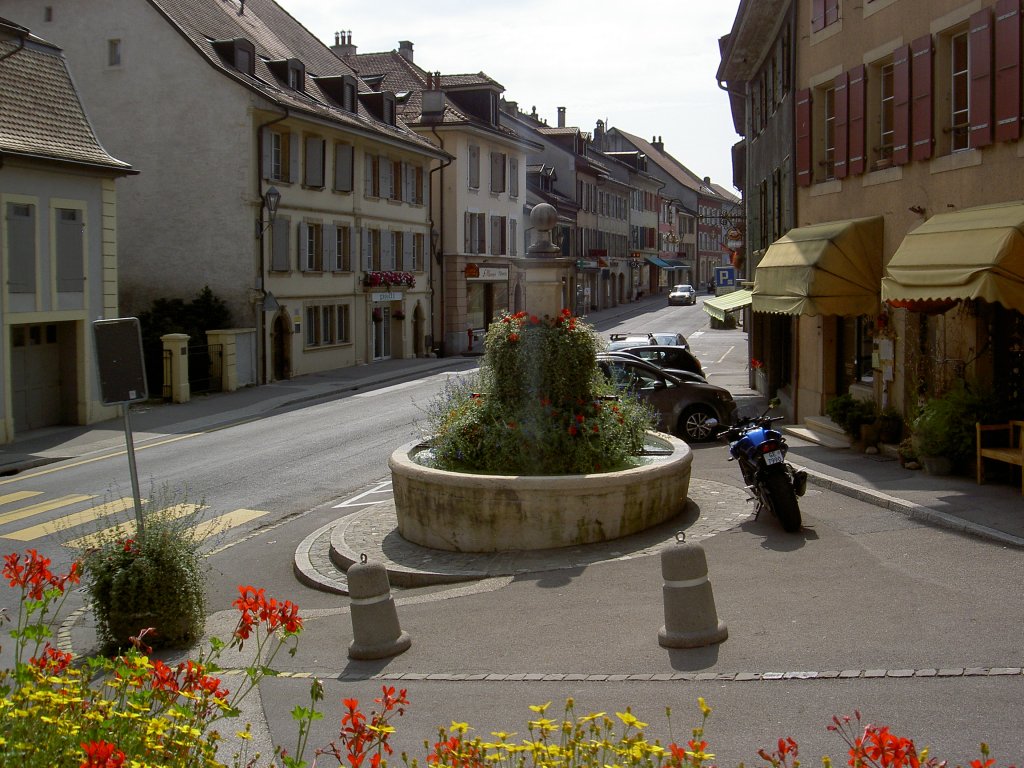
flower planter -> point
(461, 512)
(936, 465)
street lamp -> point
(271, 199)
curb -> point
(913, 510)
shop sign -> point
(488, 274)
(386, 296)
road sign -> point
(725, 277)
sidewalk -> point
(994, 511)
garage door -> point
(35, 376)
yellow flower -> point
(540, 708)
(630, 720)
(502, 735)
(704, 708)
(455, 728)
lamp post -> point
(267, 303)
(634, 271)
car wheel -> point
(694, 426)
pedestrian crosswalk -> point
(29, 522)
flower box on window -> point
(389, 279)
(378, 314)
(398, 314)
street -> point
(866, 609)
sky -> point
(644, 66)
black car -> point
(669, 357)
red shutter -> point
(858, 104)
(817, 15)
(804, 177)
(1007, 71)
(921, 128)
(901, 105)
(980, 114)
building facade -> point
(58, 240)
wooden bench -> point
(1010, 450)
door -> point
(382, 333)
(35, 376)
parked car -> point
(684, 408)
(665, 338)
(672, 358)
(682, 294)
(679, 373)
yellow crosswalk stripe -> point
(10, 498)
(43, 506)
(70, 521)
(227, 520)
(127, 528)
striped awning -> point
(720, 306)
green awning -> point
(720, 306)
(658, 262)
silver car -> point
(682, 294)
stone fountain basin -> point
(460, 512)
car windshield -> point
(684, 288)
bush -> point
(850, 412)
(127, 578)
(945, 424)
(540, 406)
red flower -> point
(102, 754)
(513, 338)
(755, 363)
(573, 430)
(579, 418)
(52, 662)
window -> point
(394, 251)
(113, 53)
(371, 249)
(823, 13)
(343, 176)
(314, 162)
(959, 92)
(371, 175)
(296, 75)
(311, 247)
(280, 156)
(21, 248)
(342, 251)
(827, 163)
(398, 175)
(476, 236)
(474, 167)
(419, 252)
(498, 169)
(513, 237)
(886, 111)
(70, 246)
(348, 95)
(327, 324)
(279, 258)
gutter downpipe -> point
(261, 320)
(439, 256)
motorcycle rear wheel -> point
(783, 500)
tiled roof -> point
(276, 36)
(42, 116)
(456, 81)
(669, 164)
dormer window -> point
(238, 53)
(290, 71)
(380, 104)
(341, 89)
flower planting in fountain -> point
(539, 405)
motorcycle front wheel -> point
(783, 500)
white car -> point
(682, 294)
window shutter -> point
(294, 150)
(331, 247)
(513, 176)
(343, 167)
(901, 105)
(384, 178)
(70, 251)
(1007, 70)
(367, 251)
(804, 174)
(497, 172)
(353, 246)
(303, 246)
(495, 235)
(313, 175)
(367, 174)
(466, 226)
(980, 104)
(858, 94)
(921, 129)
(474, 167)
(279, 261)
(266, 150)
(842, 124)
(21, 241)
(481, 233)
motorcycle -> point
(773, 483)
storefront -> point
(487, 294)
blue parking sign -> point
(725, 276)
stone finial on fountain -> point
(544, 218)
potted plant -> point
(890, 426)
(155, 580)
(849, 413)
(378, 314)
(943, 432)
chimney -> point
(657, 143)
(707, 180)
(433, 97)
(343, 44)
(561, 117)
(599, 136)
(405, 50)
